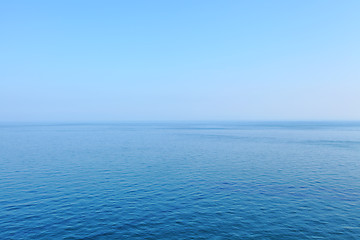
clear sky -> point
(179, 60)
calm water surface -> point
(180, 181)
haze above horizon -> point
(186, 60)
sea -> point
(180, 180)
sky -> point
(179, 60)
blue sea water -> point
(203, 180)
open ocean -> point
(180, 180)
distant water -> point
(280, 180)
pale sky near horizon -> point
(179, 60)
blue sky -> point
(179, 60)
